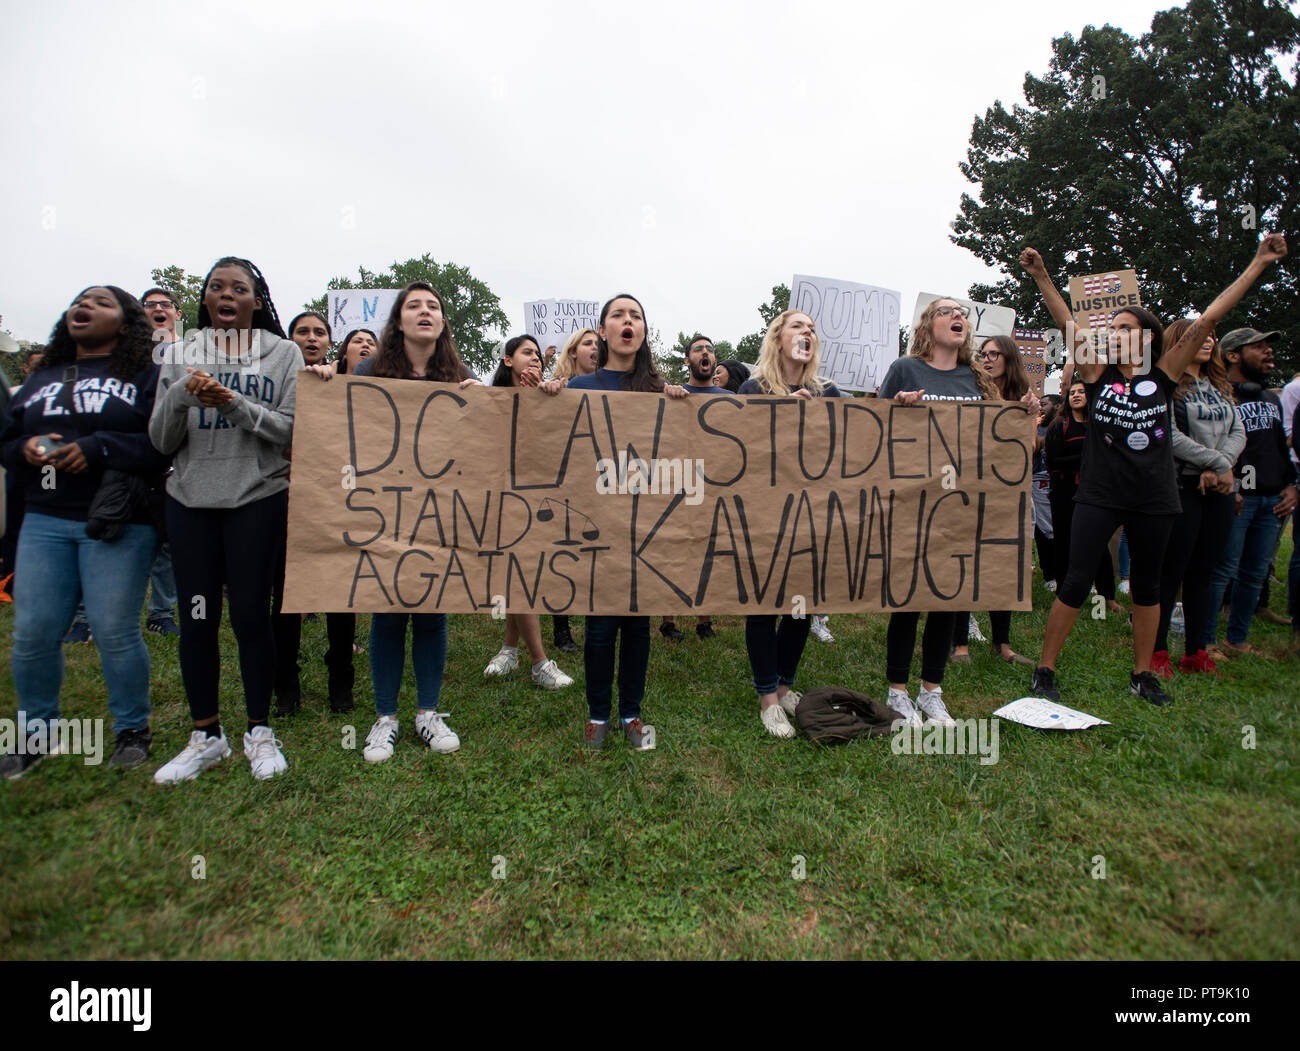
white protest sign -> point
(858, 326)
(349, 308)
(552, 321)
(986, 319)
(1043, 714)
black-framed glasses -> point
(949, 311)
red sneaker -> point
(1197, 662)
(1161, 665)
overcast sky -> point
(692, 153)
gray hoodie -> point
(1215, 435)
(231, 456)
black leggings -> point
(1090, 532)
(1195, 545)
(1062, 521)
(341, 629)
(900, 642)
(1001, 620)
(236, 547)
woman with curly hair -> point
(578, 358)
(225, 410)
(941, 366)
(787, 364)
(83, 414)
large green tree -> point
(477, 320)
(1169, 154)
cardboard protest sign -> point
(349, 308)
(858, 326)
(1032, 344)
(986, 318)
(412, 495)
(552, 321)
(1094, 298)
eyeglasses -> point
(989, 354)
(948, 311)
(166, 304)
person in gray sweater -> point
(224, 411)
(1208, 437)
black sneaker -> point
(564, 642)
(341, 702)
(1043, 684)
(670, 632)
(164, 624)
(13, 766)
(287, 703)
(131, 749)
(1147, 686)
(705, 630)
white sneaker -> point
(789, 702)
(503, 663)
(1123, 586)
(820, 631)
(202, 752)
(431, 729)
(550, 676)
(381, 740)
(931, 702)
(776, 722)
(902, 704)
(264, 754)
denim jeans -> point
(1293, 573)
(1252, 539)
(388, 658)
(633, 659)
(162, 584)
(60, 567)
(774, 649)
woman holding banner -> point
(577, 359)
(941, 366)
(521, 366)
(227, 502)
(1128, 476)
(1001, 359)
(625, 364)
(787, 364)
(416, 344)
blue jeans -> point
(388, 658)
(60, 567)
(162, 584)
(1252, 539)
(633, 659)
(1293, 572)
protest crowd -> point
(139, 464)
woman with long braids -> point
(941, 366)
(787, 364)
(625, 364)
(416, 345)
(83, 414)
(521, 366)
(1128, 476)
(1208, 438)
(228, 424)
(1001, 359)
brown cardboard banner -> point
(1094, 298)
(1032, 344)
(419, 496)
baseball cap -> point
(1239, 337)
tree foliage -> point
(749, 346)
(473, 310)
(1169, 154)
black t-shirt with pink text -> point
(1128, 461)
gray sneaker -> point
(641, 738)
(131, 749)
(594, 735)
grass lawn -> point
(688, 851)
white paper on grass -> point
(1046, 715)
